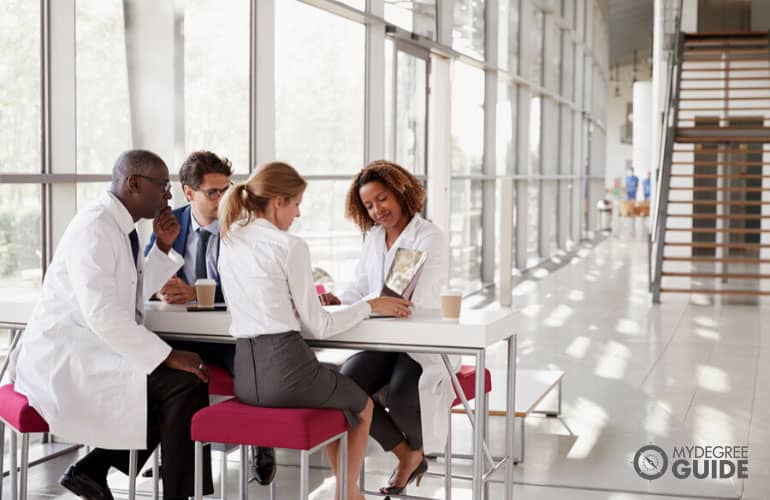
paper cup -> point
(451, 301)
(205, 290)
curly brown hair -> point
(407, 189)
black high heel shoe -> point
(415, 475)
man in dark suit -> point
(205, 177)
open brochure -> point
(404, 273)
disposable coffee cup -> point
(205, 289)
(451, 300)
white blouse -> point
(268, 285)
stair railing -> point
(665, 155)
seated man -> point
(87, 364)
(205, 177)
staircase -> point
(710, 228)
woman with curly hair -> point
(385, 201)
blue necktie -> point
(201, 271)
(134, 244)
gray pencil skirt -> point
(280, 371)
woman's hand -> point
(392, 306)
(329, 299)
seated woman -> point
(385, 201)
(268, 286)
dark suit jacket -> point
(183, 215)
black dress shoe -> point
(263, 465)
(82, 485)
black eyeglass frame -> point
(164, 185)
(214, 194)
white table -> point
(425, 331)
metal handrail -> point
(665, 154)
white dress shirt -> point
(268, 285)
(191, 249)
(83, 360)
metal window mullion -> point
(59, 141)
(262, 83)
(45, 134)
(489, 166)
(374, 90)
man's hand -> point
(176, 291)
(188, 362)
(329, 299)
(166, 229)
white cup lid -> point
(452, 292)
(205, 281)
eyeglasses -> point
(165, 185)
(214, 194)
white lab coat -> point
(84, 358)
(435, 388)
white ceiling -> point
(630, 28)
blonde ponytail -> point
(249, 199)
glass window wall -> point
(468, 34)
(319, 86)
(20, 87)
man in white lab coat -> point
(87, 364)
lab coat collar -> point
(116, 208)
(407, 234)
(406, 238)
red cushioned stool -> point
(16, 412)
(306, 430)
(466, 378)
(220, 381)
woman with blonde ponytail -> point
(268, 286)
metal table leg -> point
(479, 464)
(487, 484)
(510, 408)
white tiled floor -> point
(673, 374)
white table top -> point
(475, 328)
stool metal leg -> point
(243, 487)
(2, 453)
(223, 475)
(486, 437)
(448, 459)
(272, 490)
(521, 440)
(198, 489)
(342, 463)
(24, 467)
(304, 474)
(14, 467)
(156, 474)
(132, 475)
